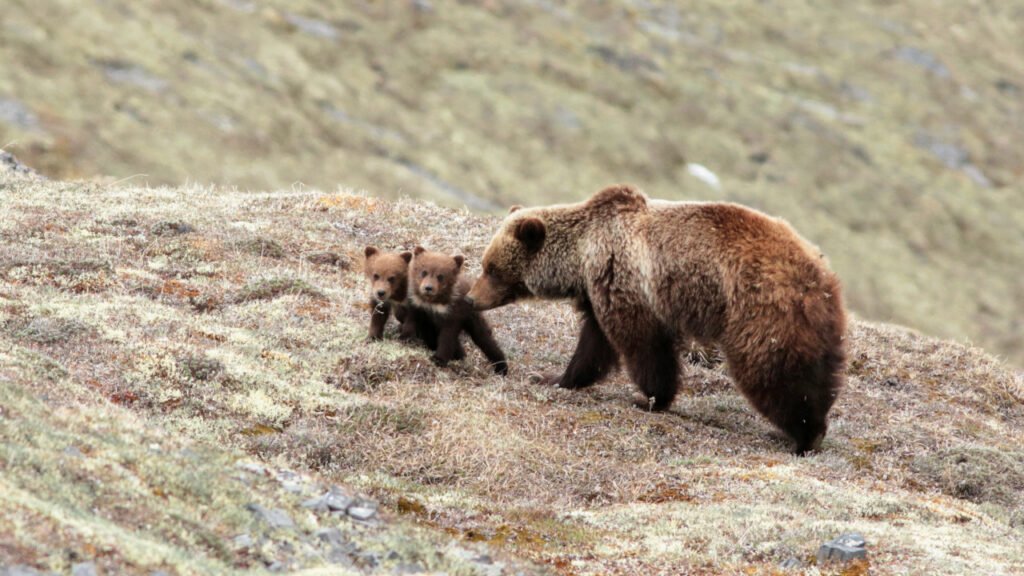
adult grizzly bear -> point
(649, 275)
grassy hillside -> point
(167, 353)
(887, 132)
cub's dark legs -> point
(448, 345)
(593, 359)
(408, 320)
(480, 333)
(379, 312)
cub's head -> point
(387, 274)
(434, 275)
(506, 261)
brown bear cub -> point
(650, 275)
(388, 275)
(441, 312)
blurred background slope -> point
(890, 133)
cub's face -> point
(434, 275)
(506, 262)
(387, 274)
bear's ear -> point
(531, 232)
(459, 259)
(514, 207)
(370, 251)
(407, 256)
(419, 250)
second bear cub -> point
(438, 302)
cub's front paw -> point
(501, 367)
(438, 361)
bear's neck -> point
(558, 267)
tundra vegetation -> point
(170, 396)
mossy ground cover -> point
(125, 408)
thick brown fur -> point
(649, 276)
(388, 276)
(441, 312)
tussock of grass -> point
(269, 288)
(581, 481)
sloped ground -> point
(888, 131)
(153, 338)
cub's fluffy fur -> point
(388, 276)
(441, 312)
(649, 275)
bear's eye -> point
(440, 277)
(490, 270)
(423, 274)
(391, 280)
(376, 276)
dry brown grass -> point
(923, 455)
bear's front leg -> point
(379, 312)
(593, 359)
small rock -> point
(846, 547)
(9, 162)
(19, 570)
(290, 481)
(275, 517)
(362, 510)
(408, 569)
(252, 467)
(74, 452)
(84, 569)
(243, 541)
(791, 563)
(334, 500)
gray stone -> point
(252, 467)
(362, 510)
(407, 568)
(127, 73)
(334, 500)
(846, 547)
(19, 570)
(84, 569)
(15, 113)
(275, 517)
(243, 541)
(922, 59)
(313, 26)
(9, 162)
(791, 563)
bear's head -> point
(387, 274)
(507, 260)
(434, 275)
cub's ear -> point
(459, 259)
(419, 250)
(407, 256)
(514, 207)
(531, 232)
(370, 251)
